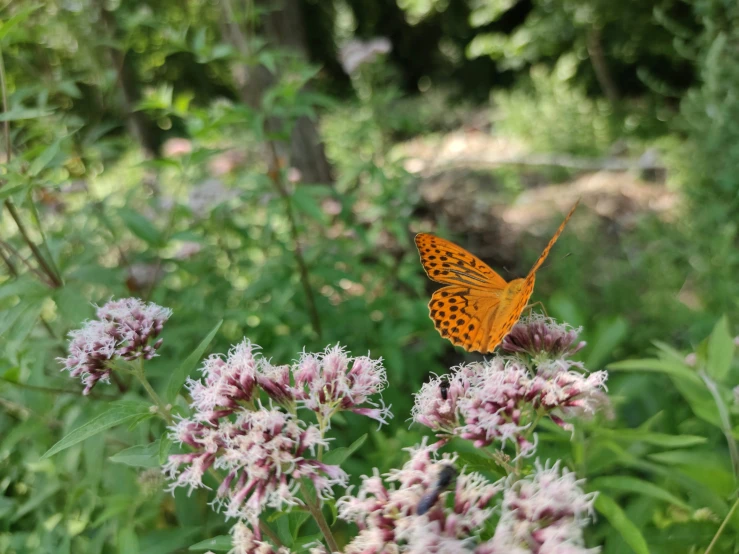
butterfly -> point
(478, 307)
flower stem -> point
(725, 421)
(721, 528)
(162, 410)
(315, 509)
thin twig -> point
(55, 279)
(315, 509)
(275, 176)
(8, 262)
(40, 274)
(723, 525)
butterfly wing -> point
(518, 293)
(465, 315)
(447, 263)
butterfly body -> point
(478, 307)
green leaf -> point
(165, 444)
(18, 18)
(617, 518)
(179, 375)
(657, 366)
(657, 439)
(339, 455)
(221, 543)
(141, 226)
(720, 350)
(141, 455)
(608, 335)
(18, 114)
(128, 542)
(305, 203)
(638, 486)
(118, 414)
(45, 158)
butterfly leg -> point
(530, 308)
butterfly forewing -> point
(447, 263)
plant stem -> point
(725, 421)
(53, 276)
(275, 176)
(51, 390)
(162, 410)
(721, 528)
(315, 509)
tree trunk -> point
(283, 27)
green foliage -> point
(552, 115)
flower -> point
(357, 52)
(499, 400)
(263, 453)
(543, 513)
(187, 250)
(332, 381)
(176, 147)
(386, 510)
(244, 541)
(123, 329)
(540, 336)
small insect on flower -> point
(444, 387)
(446, 476)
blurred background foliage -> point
(243, 160)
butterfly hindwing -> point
(464, 315)
(447, 263)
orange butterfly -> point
(478, 308)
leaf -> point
(118, 414)
(720, 350)
(617, 518)
(305, 203)
(45, 158)
(18, 114)
(657, 439)
(608, 335)
(638, 486)
(221, 543)
(128, 542)
(165, 444)
(141, 455)
(141, 226)
(18, 18)
(179, 375)
(339, 455)
(657, 366)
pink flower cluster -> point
(264, 451)
(499, 400)
(386, 510)
(325, 382)
(123, 329)
(544, 512)
(543, 337)
(244, 541)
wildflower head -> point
(332, 380)
(500, 399)
(544, 512)
(245, 541)
(358, 52)
(124, 329)
(540, 336)
(264, 454)
(386, 510)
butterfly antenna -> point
(552, 260)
